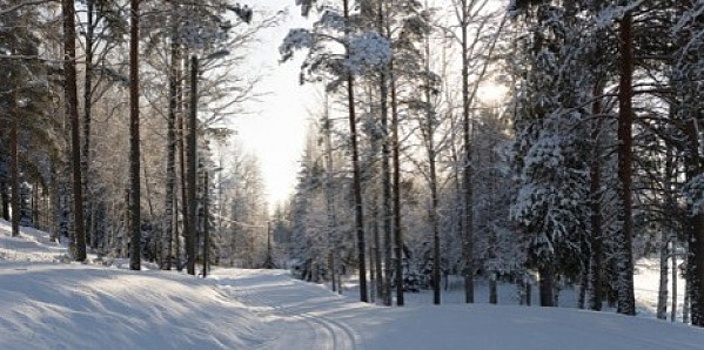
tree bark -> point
(191, 171)
(206, 231)
(14, 169)
(695, 226)
(468, 217)
(174, 77)
(87, 116)
(596, 264)
(696, 257)
(135, 182)
(377, 273)
(330, 197)
(661, 310)
(624, 256)
(673, 313)
(4, 198)
(181, 120)
(70, 90)
(547, 285)
(385, 169)
(430, 146)
(398, 236)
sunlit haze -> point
(275, 131)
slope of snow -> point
(81, 307)
(50, 305)
(47, 304)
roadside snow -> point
(61, 306)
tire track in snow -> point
(328, 333)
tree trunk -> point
(673, 311)
(330, 197)
(430, 144)
(36, 207)
(468, 218)
(87, 116)
(385, 169)
(5, 198)
(696, 258)
(182, 172)
(661, 312)
(695, 227)
(398, 237)
(357, 186)
(547, 285)
(14, 169)
(177, 238)
(376, 269)
(434, 223)
(686, 304)
(206, 231)
(529, 292)
(192, 171)
(174, 77)
(373, 284)
(596, 250)
(135, 196)
(493, 291)
(69, 13)
(386, 191)
(624, 255)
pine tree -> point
(550, 142)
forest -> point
(543, 143)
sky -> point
(49, 303)
(275, 131)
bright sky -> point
(275, 132)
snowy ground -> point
(47, 304)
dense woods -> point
(542, 143)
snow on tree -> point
(335, 49)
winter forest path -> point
(295, 314)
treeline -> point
(589, 160)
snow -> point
(610, 14)
(368, 50)
(47, 303)
(694, 192)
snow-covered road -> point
(293, 311)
